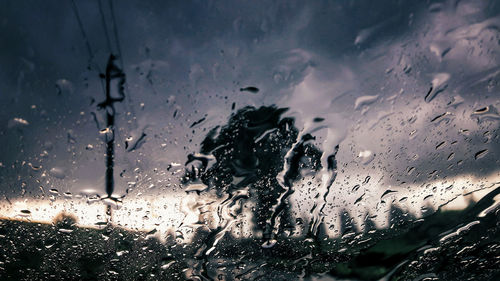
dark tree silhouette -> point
(251, 148)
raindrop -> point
(364, 101)
(106, 134)
(64, 87)
(413, 134)
(17, 122)
(197, 122)
(457, 100)
(65, 231)
(167, 264)
(486, 113)
(360, 198)
(440, 117)
(366, 156)
(197, 187)
(132, 143)
(367, 180)
(451, 156)
(388, 191)
(121, 253)
(269, 244)
(410, 170)
(54, 191)
(480, 154)
(464, 132)
(438, 84)
(440, 49)
(34, 168)
(440, 145)
(251, 89)
(58, 172)
(115, 203)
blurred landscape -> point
(446, 245)
(250, 140)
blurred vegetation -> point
(412, 250)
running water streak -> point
(248, 152)
(329, 173)
(291, 171)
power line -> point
(86, 39)
(105, 27)
(115, 30)
(87, 43)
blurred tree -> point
(250, 151)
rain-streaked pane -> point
(249, 140)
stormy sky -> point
(408, 89)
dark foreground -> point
(456, 245)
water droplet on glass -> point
(53, 191)
(17, 122)
(451, 156)
(269, 243)
(387, 192)
(410, 170)
(65, 231)
(439, 145)
(166, 263)
(106, 134)
(64, 87)
(364, 101)
(486, 113)
(251, 89)
(359, 199)
(440, 48)
(367, 179)
(58, 172)
(366, 156)
(480, 154)
(444, 117)
(457, 100)
(438, 84)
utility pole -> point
(113, 72)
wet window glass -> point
(249, 140)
